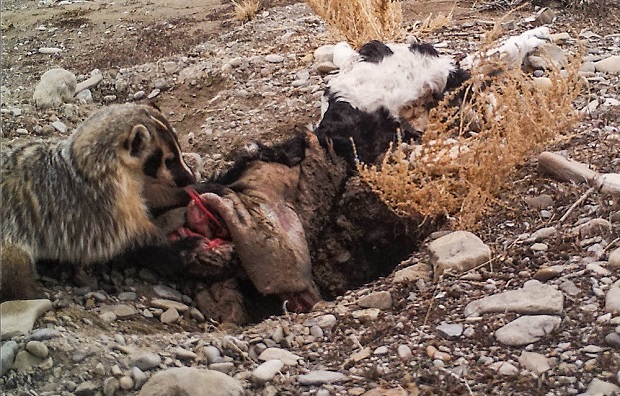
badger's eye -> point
(169, 162)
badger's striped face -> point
(164, 163)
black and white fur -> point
(364, 102)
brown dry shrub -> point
(361, 20)
(246, 9)
(458, 175)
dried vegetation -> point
(361, 20)
(246, 9)
(455, 171)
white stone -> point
(145, 360)
(324, 53)
(380, 300)
(320, 377)
(612, 299)
(533, 298)
(404, 352)
(57, 86)
(459, 251)
(450, 329)
(190, 381)
(288, 358)
(609, 65)
(274, 58)
(504, 368)
(413, 273)
(49, 50)
(89, 82)
(267, 370)
(534, 362)
(598, 387)
(18, 316)
(613, 260)
(527, 329)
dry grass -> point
(246, 10)
(361, 20)
(457, 173)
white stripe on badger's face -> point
(177, 149)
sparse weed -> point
(361, 20)
(433, 22)
(246, 9)
(456, 172)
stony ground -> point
(553, 330)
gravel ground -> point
(556, 332)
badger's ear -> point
(154, 105)
(138, 140)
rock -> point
(274, 58)
(613, 340)
(86, 388)
(126, 382)
(127, 296)
(90, 82)
(184, 354)
(404, 352)
(84, 96)
(613, 261)
(267, 370)
(57, 86)
(60, 126)
(18, 316)
(24, 361)
(542, 201)
(139, 377)
(288, 358)
(145, 360)
(167, 293)
(120, 310)
(324, 53)
(559, 38)
(608, 65)
(587, 67)
(320, 377)
(533, 298)
(49, 50)
(534, 362)
(168, 304)
(326, 67)
(527, 329)
(450, 330)
(190, 381)
(212, 354)
(504, 368)
(459, 251)
(544, 17)
(110, 386)
(595, 227)
(612, 299)
(37, 348)
(224, 367)
(413, 273)
(368, 314)
(598, 387)
(7, 356)
(546, 273)
(326, 321)
(170, 316)
(379, 300)
(382, 350)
